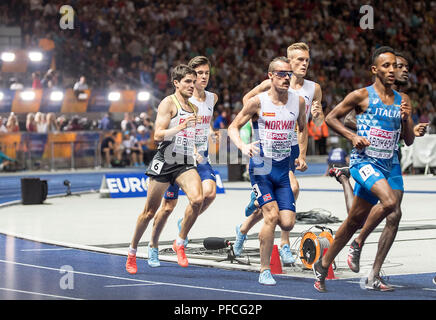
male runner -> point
(205, 101)
(298, 54)
(387, 237)
(173, 163)
(381, 114)
(274, 114)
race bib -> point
(382, 143)
(184, 142)
(201, 138)
(277, 145)
(256, 191)
(366, 171)
(156, 166)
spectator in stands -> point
(131, 149)
(73, 124)
(3, 128)
(15, 84)
(12, 123)
(30, 122)
(144, 139)
(36, 80)
(145, 75)
(80, 87)
(41, 122)
(106, 123)
(127, 124)
(110, 152)
(50, 79)
(221, 121)
(52, 125)
(62, 123)
(320, 135)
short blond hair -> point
(297, 46)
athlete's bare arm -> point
(420, 129)
(264, 86)
(407, 130)
(249, 111)
(302, 136)
(350, 120)
(317, 113)
(356, 100)
(165, 111)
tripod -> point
(232, 257)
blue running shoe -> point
(239, 243)
(153, 257)
(251, 207)
(286, 255)
(179, 225)
(266, 278)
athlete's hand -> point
(214, 136)
(199, 158)
(250, 149)
(190, 122)
(360, 142)
(420, 129)
(405, 109)
(316, 109)
(300, 164)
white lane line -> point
(58, 249)
(153, 282)
(130, 285)
(39, 294)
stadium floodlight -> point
(35, 56)
(56, 96)
(114, 96)
(8, 56)
(1, 96)
(27, 95)
(143, 96)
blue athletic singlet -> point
(269, 170)
(381, 125)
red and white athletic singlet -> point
(205, 112)
(276, 125)
(307, 91)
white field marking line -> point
(152, 282)
(392, 285)
(39, 294)
(130, 285)
(60, 249)
(428, 289)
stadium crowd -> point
(128, 44)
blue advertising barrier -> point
(131, 185)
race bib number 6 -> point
(156, 166)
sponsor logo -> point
(268, 114)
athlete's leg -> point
(166, 208)
(357, 215)
(155, 192)
(388, 202)
(189, 181)
(295, 186)
(387, 237)
(209, 193)
(270, 213)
